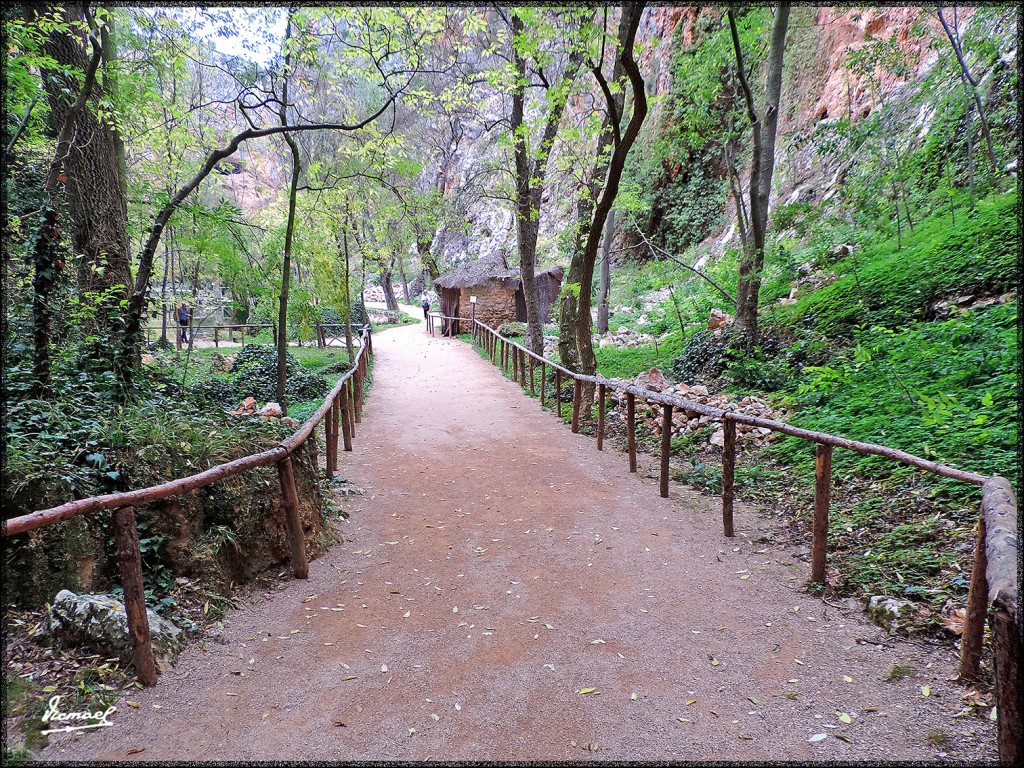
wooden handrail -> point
(348, 391)
(42, 518)
(755, 421)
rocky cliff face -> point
(820, 87)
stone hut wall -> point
(495, 303)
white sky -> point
(260, 30)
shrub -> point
(254, 374)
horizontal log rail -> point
(994, 582)
(345, 400)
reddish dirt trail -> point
(498, 565)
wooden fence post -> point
(216, 336)
(243, 335)
(728, 473)
(600, 417)
(543, 381)
(515, 364)
(346, 421)
(666, 446)
(532, 364)
(331, 437)
(977, 608)
(352, 404)
(631, 429)
(129, 561)
(335, 421)
(290, 507)
(522, 368)
(558, 392)
(314, 450)
(822, 489)
(1002, 552)
(359, 392)
(577, 397)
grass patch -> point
(627, 362)
(897, 672)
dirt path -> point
(499, 565)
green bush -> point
(254, 374)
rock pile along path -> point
(507, 592)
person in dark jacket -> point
(426, 306)
(183, 315)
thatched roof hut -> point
(498, 290)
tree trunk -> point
(163, 286)
(348, 297)
(604, 286)
(389, 289)
(762, 168)
(88, 167)
(46, 264)
(286, 265)
(401, 274)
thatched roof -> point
(472, 273)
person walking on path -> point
(183, 316)
(425, 303)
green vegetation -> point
(898, 672)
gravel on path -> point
(506, 592)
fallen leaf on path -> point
(691, 701)
(585, 691)
(844, 737)
(844, 718)
(340, 724)
(135, 750)
(714, 662)
(818, 737)
(632, 697)
(295, 632)
(352, 677)
(407, 614)
(847, 679)
(384, 668)
(133, 704)
(682, 720)
(926, 690)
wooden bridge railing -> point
(342, 406)
(994, 584)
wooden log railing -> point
(994, 584)
(345, 398)
(324, 332)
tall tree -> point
(531, 161)
(289, 235)
(762, 166)
(576, 347)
